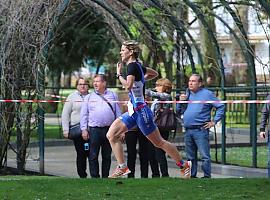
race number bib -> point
(130, 108)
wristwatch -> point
(118, 75)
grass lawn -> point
(52, 132)
(243, 156)
(35, 187)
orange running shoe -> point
(120, 172)
(185, 171)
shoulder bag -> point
(74, 131)
(166, 119)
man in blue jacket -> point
(197, 122)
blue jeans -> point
(99, 140)
(198, 139)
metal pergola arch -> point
(246, 49)
(54, 13)
(265, 5)
(115, 15)
(137, 15)
(181, 29)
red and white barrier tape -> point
(29, 101)
(124, 102)
(55, 96)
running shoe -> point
(185, 170)
(120, 172)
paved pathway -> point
(60, 161)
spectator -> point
(71, 117)
(264, 119)
(162, 93)
(197, 122)
(97, 115)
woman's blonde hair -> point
(134, 46)
(165, 83)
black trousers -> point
(132, 138)
(82, 156)
(157, 158)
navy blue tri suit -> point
(138, 112)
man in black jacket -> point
(264, 119)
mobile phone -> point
(86, 146)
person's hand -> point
(262, 135)
(119, 68)
(148, 98)
(85, 135)
(183, 97)
(209, 125)
(65, 134)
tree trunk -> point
(67, 80)
(24, 132)
(181, 81)
(239, 64)
(207, 46)
(7, 111)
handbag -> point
(166, 119)
(74, 131)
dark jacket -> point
(158, 96)
(265, 116)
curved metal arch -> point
(115, 15)
(200, 57)
(143, 21)
(140, 18)
(41, 82)
(247, 47)
(251, 65)
(200, 16)
(179, 29)
(61, 8)
(239, 41)
(149, 28)
(266, 6)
